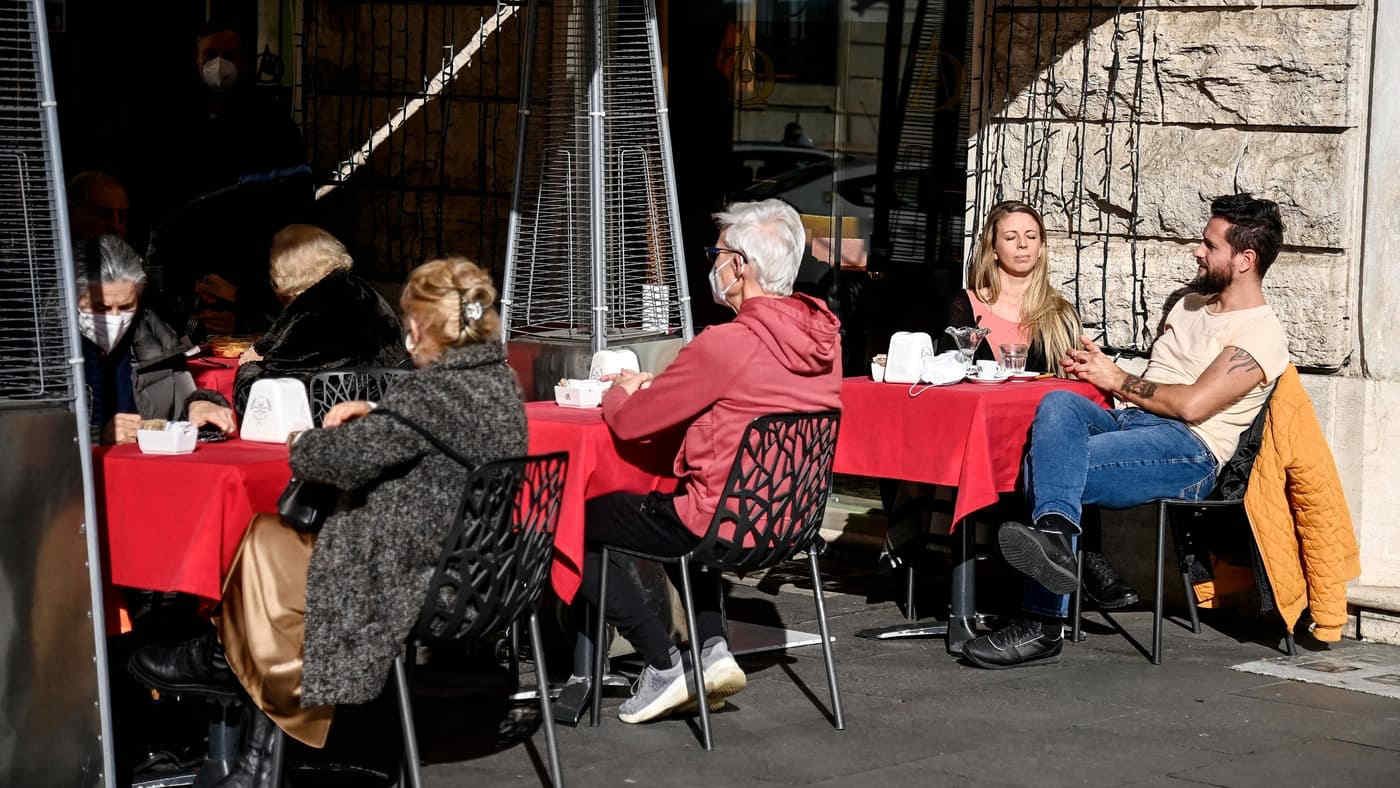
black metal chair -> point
(494, 564)
(327, 389)
(1228, 494)
(774, 500)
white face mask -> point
(721, 294)
(220, 73)
(106, 329)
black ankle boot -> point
(256, 767)
(1103, 585)
(196, 667)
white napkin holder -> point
(905, 359)
(178, 437)
(943, 369)
(276, 408)
(611, 362)
(575, 393)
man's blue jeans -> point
(1082, 454)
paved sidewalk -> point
(1102, 716)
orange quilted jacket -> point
(1299, 517)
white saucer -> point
(975, 379)
(1024, 375)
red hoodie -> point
(778, 355)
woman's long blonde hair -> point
(1051, 320)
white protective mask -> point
(721, 294)
(106, 329)
(220, 73)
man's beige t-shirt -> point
(1194, 337)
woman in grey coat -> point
(307, 621)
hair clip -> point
(471, 310)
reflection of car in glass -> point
(810, 188)
(754, 162)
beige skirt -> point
(263, 625)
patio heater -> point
(55, 705)
(594, 257)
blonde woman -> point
(1010, 291)
(332, 320)
(310, 621)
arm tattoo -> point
(1138, 387)
(1241, 361)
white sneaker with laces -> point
(723, 676)
(657, 693)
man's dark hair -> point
(1254, 224)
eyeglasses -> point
(713, 253)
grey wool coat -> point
(375, 556)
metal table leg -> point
(962, 596)
(963, 619)
(225, 731)
(572, 699)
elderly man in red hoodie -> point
(780, 354)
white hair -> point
(106, 260)
(770, 235)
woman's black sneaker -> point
(1103, 586)
(1024, 641)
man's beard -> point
(1210, 282)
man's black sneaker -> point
(196, 666)
(1043, 556)
(1103, 586)
(1025, 641)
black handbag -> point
(305, 505)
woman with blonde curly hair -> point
(1009, 291)
(313, 620)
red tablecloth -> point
(969, 435)
(598, 465)
(215, 373)
(173, 522)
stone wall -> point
(1121, 124)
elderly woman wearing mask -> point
(133, 361)
(310, 621)
(333, 319)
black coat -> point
(373, 560)
(338, 323)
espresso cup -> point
(988, 370)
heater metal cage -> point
(33, 335)
(594, 252)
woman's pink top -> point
(1004, 332)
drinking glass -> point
(1013, 357)
(967, 339)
